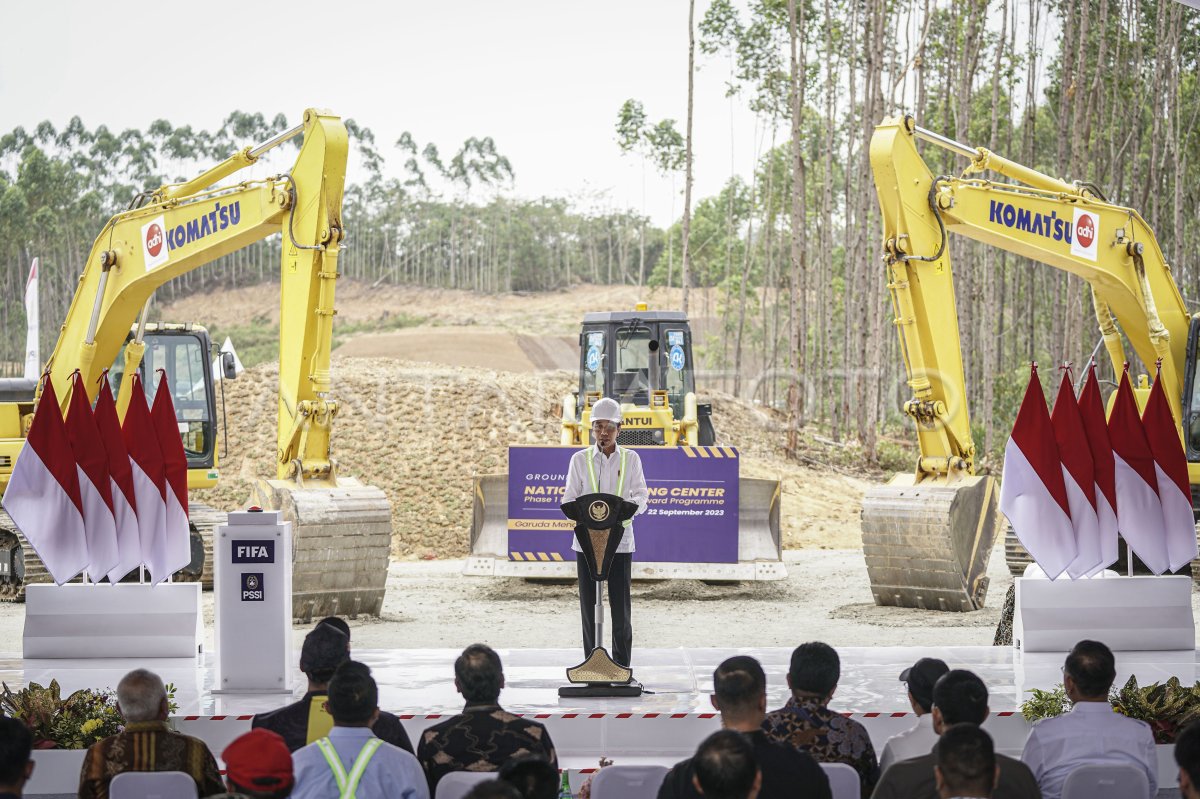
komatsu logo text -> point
(219, 218)
(1050, 225)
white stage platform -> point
(663, 727)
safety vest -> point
(591, 464)
(348, 783)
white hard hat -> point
(606, 410)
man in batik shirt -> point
(146, 743)
(807, 723)
(484, 736)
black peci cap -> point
(325, 648)
(921, 677)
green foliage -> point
(76, 722)
(258, 340)
(1167, 707)
(1045, 704)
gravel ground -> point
(431, 604)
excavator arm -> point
(341, 529)
(924, 531)
(187, 225)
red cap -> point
(259, 761)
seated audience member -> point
(806, 722)
(484, 736)
(16, 762)
(325, 648)
(493, 789)
(726, 768)
(740, 693)
(352, 761)
(1091, 733)
(959, 697)
(532, 776)
(146, 743)
(920, 738)
(1187, 757)
(258, 765)
(965, 763)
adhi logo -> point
(155, 249)
(1086, 239)
(1085, 230)
(154, 240)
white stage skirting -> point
(663, 727)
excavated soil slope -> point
(422, 431)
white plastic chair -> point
(152, 785)
(458, 784)
(628, 782)
(1106, 782)
(844, 782)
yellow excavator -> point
(341, 529)
(927, 535)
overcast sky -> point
(544, 78)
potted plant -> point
(62, 729)
(1167, 707)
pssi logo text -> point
(254, 551)
(252, 587)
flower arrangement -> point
(1167, 707)
(76, 722)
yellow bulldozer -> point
(643, 359)
(928, 534)
(341, 529)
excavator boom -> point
(342, 529)
(927, 535)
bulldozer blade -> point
(927, 544)
(341, 543)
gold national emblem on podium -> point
(598, 511)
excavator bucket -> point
(760, 545)
(341, 541)
(927, 544)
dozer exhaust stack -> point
(927, 543)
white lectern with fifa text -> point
(253, 587)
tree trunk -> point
(687, 180)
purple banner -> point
(691, 515)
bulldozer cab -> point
(183, 352)
(641, 358)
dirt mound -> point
(422, 432)
(478, 347)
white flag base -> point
(1126, 613)
(128, 621)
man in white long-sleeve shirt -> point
(1092, 733)
(606, 468)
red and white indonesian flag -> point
(120, 475)
(1171, 473)
(177, 550)
(1078, 477)
(95, 489)
(1104, 468)
(1139, 511)
(149, 481)
(1033, 495)
(43, 493)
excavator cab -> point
(182, 351)
(643, 360)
